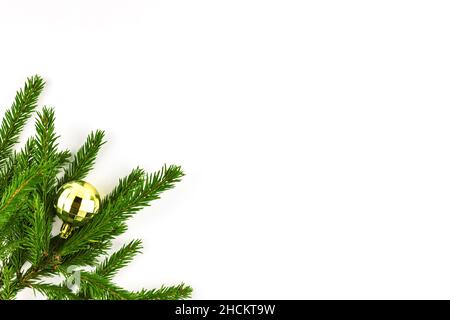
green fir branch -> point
(46, 145)
(94, 286)
(119, 259)
(178, 292)
(37, 231)
(16, 193)
(14, 120)
(84, 159)
(7, 276)
(17, 162)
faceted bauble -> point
(77, 202)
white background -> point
(315, 135)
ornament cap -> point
(66, 230)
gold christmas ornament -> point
(77, 202)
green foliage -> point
(164, 293)
(55, 292)
(7, 283)
(37, 229)
(84, 159)
(15, 118)
(16, 194)
(119, 259)
(28, 183)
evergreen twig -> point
(15, 118)
(84, 159)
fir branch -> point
(17, 162)
(13, 195)
(164, 293)
(84, 159)
(125, 185)
(37, 231)
(7, 291)
(94, 286)
(46, 148)
(86, 257)
(25, 156)
(127, 201)
(46, 138)
(119, 259)
(14, 232)
(15, 118)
